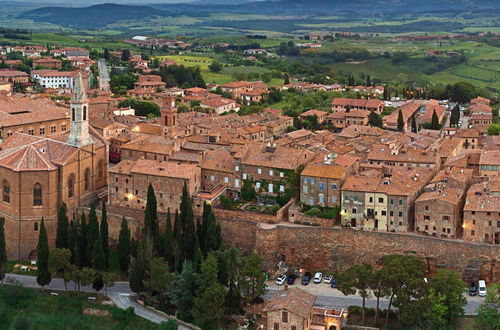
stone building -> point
(482, 213)
(489, 163)
(129, 181)
(342, 104)
(320, 184)
(32, 116)
(38, 173)
(293, 309)
(383, 200)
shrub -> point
(314, 212)
(226, 202)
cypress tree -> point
(385, 94)
(104, 234)
(374, 119)
(137, 271)
(98, 256)
(401, 122)
(188, 234)
(3, 254)
(435, 121)
(43, 278)
(124, 246)
(287, 79)
(92, 233)
(150, 213)
(73, 243)
(62, 227)
(82, 242)
(413, 124)
(168, 239)
(368, 81)
(176, 244)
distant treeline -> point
(15, 31)
(256, 36)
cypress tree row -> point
(104, 234)
(82, 243)
(62, 227)
(98, 256)
(43, 278)
(92, 234)
(73, 243)
(3, 254)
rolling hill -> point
(91, 17)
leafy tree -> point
(125, 55)
(401, 275)
(124, 246)
(109, 280)
(248, 192)
(435, 125)
(357, 279)
(401, 122)
(251, 281)
(494, 129)
(168, 325)
(462, 92)
(208, 306)
(448, 288)
(286, 79)
(160, 280)
(379, 290)
(81, 277)
(120, 83)
(413, 124)
(374, 119)
(215, 66)
(43, 278)
(105, 234)
(3, 254)
(62, 227)
(60, 264)
(184, 292)
(488, 315)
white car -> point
(328, 279)
(317, 277)
(280, 280)
(482, 288)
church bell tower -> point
(79, 135)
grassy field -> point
(35, 309)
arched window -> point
(71, 186)
(100, 169)
(5, 191)
(37, 195)
(84, 113)
(87, 180)
(73, 114)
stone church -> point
(37, 174)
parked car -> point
(472, 289)
(328, 279)
(280, 280)
(306, 278)
(291, 279)
(318, 277)
(482, 288)
(333, 283)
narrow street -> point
(103, 75)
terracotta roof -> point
(324, 171)
(483, 197)
(156, 168)
(490, 158)
(293, 300)
(13, 73)
(370, 103)
(22, 152)
(25, 110)
(446, 194)
(313, 112)
(281, 157)
(218, 160)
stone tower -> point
(168, 112)
(79, 135)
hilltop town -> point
(305, 175)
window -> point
(42, 130)
(276, 326)
(259, 171)
(391, 213)
(271, 172)
(384, 213)
(73, 114)
(400, 214)
(270, 188)
(282, 188)
(226, 179)
(71, 186)
(354, 211)
(245, 176)
(371, 199)
(334, 186)
(427, 207)
(391, 201)
(380, 200)
(334, 200)
(84, 113)
(236, 183)
(284, 317)
(37, 195)
(35, 226)
(86, 177)
(446, 218)
(321, 198)
(236, 168)
(426, 217)
(282, 174)
(52, 129)
(473, 212)
(322, 186)
(31, 131)
(63, 127)
(257, 185)
(212, 178)
(472, 232)
(293, 327)
(304, 188)
(400, 202)
(6, 192)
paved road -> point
(103, 75)
(333, 298)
